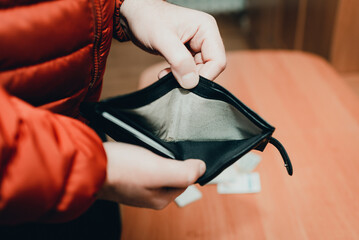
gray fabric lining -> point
(181, 115)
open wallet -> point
(206, 122)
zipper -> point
(97, 41)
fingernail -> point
(189, 80)
(202, 168)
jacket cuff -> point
(119, 32)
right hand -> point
(189, 40)
(138, 177)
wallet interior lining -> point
(181, 115)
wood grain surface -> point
(316, 116)
(345, 48)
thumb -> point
(180, 59)
(181, 174)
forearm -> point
(51, 166)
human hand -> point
(188, 39)
(138, 177)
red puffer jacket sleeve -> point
(51, 166)
(119, 31)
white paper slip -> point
(248, 162)
(191, 194)
(243, 183)
(245, 164)
(229, 174)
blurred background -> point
(317, 121)
(328, 28)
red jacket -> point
(52, 58)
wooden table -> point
(317, 120)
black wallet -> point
(206, 122)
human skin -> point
(190, 42)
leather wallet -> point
(206, 122)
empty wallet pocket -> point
(206, 123)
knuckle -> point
(183, 59)
(212, 20)
(158, 201)
(222, 64)
(177, 61)
(209, 18)
(191, 178)
(160, 204)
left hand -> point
(138, 177)
(188, 39)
